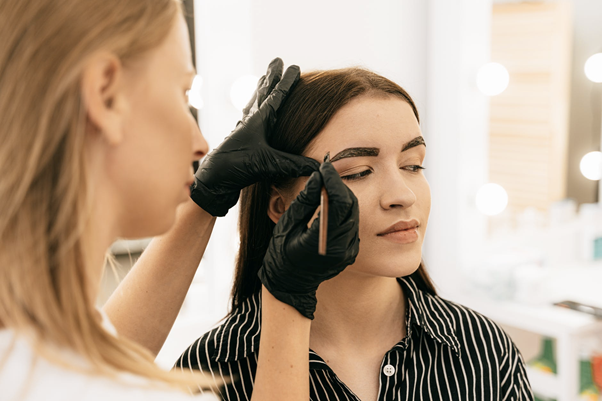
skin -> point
(140, 136)
(361, 312)
(140, 143)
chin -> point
(387, 267)
(167, 223)
(397, 270)
(165, 218)
(154, 225)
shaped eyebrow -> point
(413, 143)
(355, 152)
(373, 152)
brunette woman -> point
(380, 331)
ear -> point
(102, 92)
(276, 206)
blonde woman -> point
(97, 143)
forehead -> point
(381, 122)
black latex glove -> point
(245, 156)
(292, 269)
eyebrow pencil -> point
(323, 233)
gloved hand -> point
(245, 157)
(292, 269)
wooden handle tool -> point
(323, 233)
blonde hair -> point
(45, 273)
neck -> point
(102, 227)
(356, 309)
(99, 232)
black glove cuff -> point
(215, 205)
(304, 303)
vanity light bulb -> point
(492, 79)
(242, 89)
(491, 199)
(593, 68)
(194, 94)
(591, 166)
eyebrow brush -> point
(323, 233)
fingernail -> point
(327, 157)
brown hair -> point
(46, 273)
(313, 101)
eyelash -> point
(358, 176)
(353, 177)
(416, 168)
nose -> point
(200, 147)
(395, 192)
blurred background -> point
(510, 98)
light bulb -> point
(492, 79)
(591, 166)
(194, 94)
(242, 89)
(593, 68)
(491, 199)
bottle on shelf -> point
(588, 391)
(546, 360)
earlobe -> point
(276, 206)
(101, 88)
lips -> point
(402, 225)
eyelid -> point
(357, 176)
(354, 170)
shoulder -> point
(227, 354)
(236, 339)
(26, 376)
(200, 355)
(482, 342)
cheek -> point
(368, 203)
(423, 199)
(156, 154)
(167, 140)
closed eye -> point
(414, 168)
(356, 176)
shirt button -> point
(389, 370)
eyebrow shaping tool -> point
(323, 233)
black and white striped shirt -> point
(450, 353)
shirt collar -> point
(238, 337)
(430, 314)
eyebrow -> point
(419, 140)
(363, 152)
(355, 152)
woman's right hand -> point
(246, 156)
(292, 269)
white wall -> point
(385, 36)
(456, 132)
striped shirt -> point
(449, 353)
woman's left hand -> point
(292, 268)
